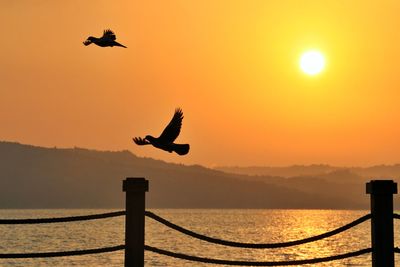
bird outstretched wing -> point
(109, 35)
(140, 141)
(173, 129)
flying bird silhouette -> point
(166, 140)
(108, 39)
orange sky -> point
(231, 65)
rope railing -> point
(63, 219)
(381, 232)
(257, 263)
(59, 220)
(61, 253)
(254, 245)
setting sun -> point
(317, 81)
(312, 62)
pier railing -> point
(381, 216)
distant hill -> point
(290, 171)
(380, 171)
(37, 177)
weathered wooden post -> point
(382, 238)
(135, 189)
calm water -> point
(237, 225)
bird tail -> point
(118, 44)
(181, 149)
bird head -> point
(89, 40)
(149, 138)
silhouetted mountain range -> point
(314, 170)
(37, 177)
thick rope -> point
(254, 245)
(61, 253)
(257, 263)
(63, 219)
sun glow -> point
(312, 62)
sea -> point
(242, 225)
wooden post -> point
(382, 239)
(135, 189)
